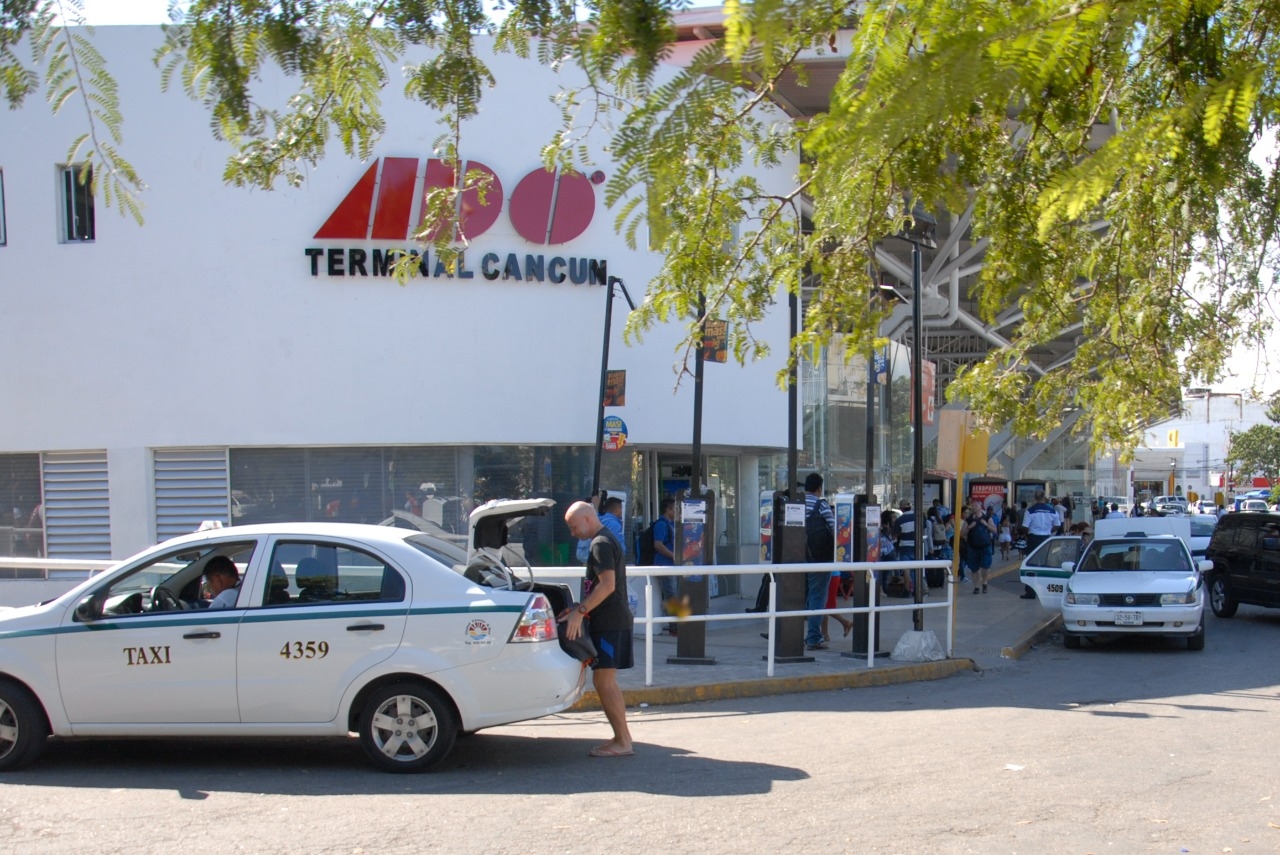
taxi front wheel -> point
(23, 728)
(406, 727)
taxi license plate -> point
(1129, 618)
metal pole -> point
(917, 426)
(793, 455)
(604, 373)
(699, 359)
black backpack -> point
(647, 552)
(819, 544)
(979, 535)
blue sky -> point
(102, 12)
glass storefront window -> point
(22, 511)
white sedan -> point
(336, 629)
(1135, 584)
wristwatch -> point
(582, 610)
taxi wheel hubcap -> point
(404, 727)
(8, 729)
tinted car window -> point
(324, 574)
(1059, 552)
(1246, 534)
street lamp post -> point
(918, 238)
(604, 372)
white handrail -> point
(648, 620)
(88, 566)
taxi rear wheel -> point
(23, 728)
(406, 727)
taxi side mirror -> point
(1205, 565)
(88, 609)
(1069, 566)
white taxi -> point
(1134, 584)
(335, 629)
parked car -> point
(337, 628)
(1248, 501)
(1134, 584)
(1102, 505)
(1202, 528)
(1169, 505)
(1245, 556)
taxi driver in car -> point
(221, 578)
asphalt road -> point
(1135, 746)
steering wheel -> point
(164, 600)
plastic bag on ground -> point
(918, 646)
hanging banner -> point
(715, 341)
(615, 433)
(880, 368)
(930, 371)
(615, 388)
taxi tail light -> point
(537, 621)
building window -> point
(3, 234)
(77, 203)
(21, 508)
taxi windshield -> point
(1147, 554)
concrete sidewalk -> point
(990, 629)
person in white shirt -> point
(1114, 513)
(221, 578)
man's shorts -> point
(613, 647)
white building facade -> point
(244, 355)
(1185, 455)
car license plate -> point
(1129, 618)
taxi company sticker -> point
(478, 632)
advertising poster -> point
(844, 527)
(615, 388)
(693, 521)
(872, 525)
(715, 341)
(615, 433)
(766, 526)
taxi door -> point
(140, 651)
(324, 611)
(1042, 569)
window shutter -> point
(77, 514)
(191, 487)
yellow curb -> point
(1035, 636)
(884, 676)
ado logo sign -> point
(546, 207)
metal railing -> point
(873, 610)
(52, 568)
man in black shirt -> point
(605, 602)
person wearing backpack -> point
(979, 534)
(820, 547)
